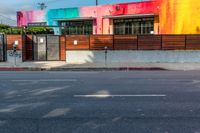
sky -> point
(8, 8)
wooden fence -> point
(114, 42)
(111, 42)
(133, 42)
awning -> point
(131, 16)
(73, 19)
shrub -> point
(3, 26)
(38, 30)
(29, 30)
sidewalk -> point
(61, 65)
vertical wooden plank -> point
(28, 46)
(63, 48)
(24, 53)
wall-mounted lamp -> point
(16, 42)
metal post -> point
(106, 52)
(15, 59)
(97, 3)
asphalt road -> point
(100, 102)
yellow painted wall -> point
(179, 17)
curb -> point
(85, 69)
(11, 69)
(110, 69)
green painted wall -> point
(61, 14)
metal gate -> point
(2, 48)
(40, 49)
(46, 47)
(53, 48)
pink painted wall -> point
(105, 26)
(89, 11)
(25, 17)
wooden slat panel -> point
(125, 42)
(24, 48)
(149, 42)
(193, 42)
(29, 55)
(11, 39)
(173, 42)
(99, 42)
(29, 47)
(82, 42)
(62, 48)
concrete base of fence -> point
(11, 57)
(133, 56)
(85, 56)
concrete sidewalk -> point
(62, 65)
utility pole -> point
(97, 3)
(42, 6)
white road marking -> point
(75, 72)
(46, 80)
(106, 96)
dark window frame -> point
(37, 24)
(81, 27)
(133, 26)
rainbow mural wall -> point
(101, 25)
(172, 16)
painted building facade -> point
(148, 17)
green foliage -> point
(30, 30)
(3, 26)
(39, 30)
(11, 31)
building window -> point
(133, 26)
(77, 27)
(38, 24)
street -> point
(100, 102)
